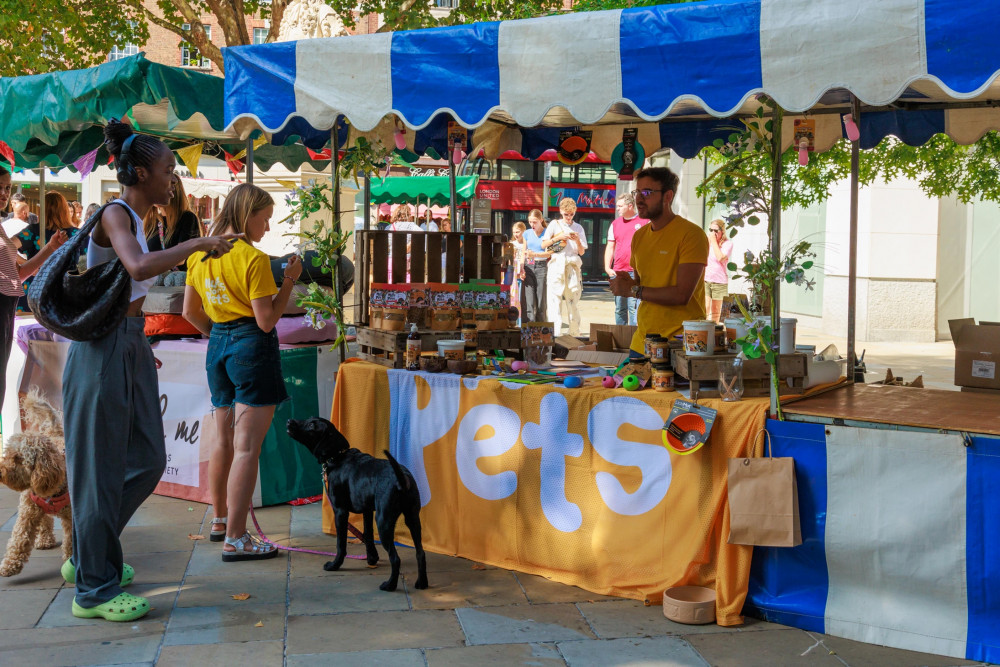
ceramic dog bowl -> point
(693, 605)
(462, 366)
(433, 364)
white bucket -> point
(699, 338)
(786, 343)
(451, 349)
(736, 327)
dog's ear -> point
(48, 475)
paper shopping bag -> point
(763, 500)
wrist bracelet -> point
(284, 278)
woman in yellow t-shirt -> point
(233, 300)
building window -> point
(119, 52)
(447, 4)
(260, 35)
(189, 52)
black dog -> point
(360, 483)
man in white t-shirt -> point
(567, 241)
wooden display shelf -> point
(388, 348)
(756, 373)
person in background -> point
(76, 212)
(57, 218)
(12, 273)
(517, 280)
(669, 257)
(618, 253)
(429, 226)
(14, 200)
(233, 300)
(446, 224)
(536, 262)
(18, 221)
(720, 249)
(167, 226)
(91, 210)
(115, 448)
(567, 242)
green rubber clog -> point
(68, 571)
(123, 608)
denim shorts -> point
(243, 365)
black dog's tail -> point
(401, 476)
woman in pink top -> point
(716, 274)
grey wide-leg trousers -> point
(115, 451)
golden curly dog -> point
(34, 462)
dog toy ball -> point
(519, 366)
(609, 382)
(631, 382)
(573, 382)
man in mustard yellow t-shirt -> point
(669, 256)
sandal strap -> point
(255, 544)
(220, 519)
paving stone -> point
(541, 590)
(401, 658)
(859, 653)
(207, 560)
(201, 591)
(523, 624)
(54, 552)
(244, 653)
(220, 625)
(159, 538)
(155, 568)
(98, 643)
(638, 651)
(23, 608)
(161, 599)
(467, 588)
(447, 563)
(327, 595)
(373, 631)
(38, 573)
(766, 649)
(630, 618)
(311, 565)
(158, 514)
(500, 655)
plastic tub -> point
(699, 338)
(736, 327)
(451, 349)
(786, 342)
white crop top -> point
(97, 255)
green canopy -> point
(405, 189)
(58, 118)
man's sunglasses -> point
(646, 192)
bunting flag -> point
(235, 165)
(7, 152)
(85, 164)
(257, 143)
(325, 154)
(190, 156)
(291, 185)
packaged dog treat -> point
(445, 314)
(505, 318)
(419, 304)
(487, 300)
(395, 305)
(536, 343)
(467, 300)
(376, 304)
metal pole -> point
(41, 206)
(335, 178)
(249, 161)
(368, 202)
(852, 270)
(775, 224)
(453, 192)
(546, 179)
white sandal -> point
(218, 535)
(248, 548)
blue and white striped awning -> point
(693, 61)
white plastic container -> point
(699, 338)
(451, 349)
(736, 327)
(786, 342)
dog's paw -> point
(388, 585)
(45, 542)
(332, 565)
(10, 569)
(421, 582)
(372, 560)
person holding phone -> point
(567, 242)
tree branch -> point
(277, 15)
(404, 7)
(195, 35)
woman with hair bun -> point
(234, 301)
(115, 451)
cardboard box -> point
(977, 353)
(612, 337)
(590, 356)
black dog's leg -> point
(412, 518)
(369, 537)
(387, 533)
(340, 517)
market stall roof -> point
(692, 62)
(409, 189)
(58, 118)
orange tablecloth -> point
(570, 484)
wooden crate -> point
(756, 373)
(388, 348)
(467, 257)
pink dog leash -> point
(264, 538)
